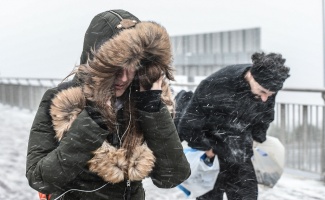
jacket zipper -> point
(127, 193)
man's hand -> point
(210, 153)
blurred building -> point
(199, 55)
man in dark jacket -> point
(228, 110)
(100, 135)
(181, 100)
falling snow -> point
(14, 132)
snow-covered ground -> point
(14, 132)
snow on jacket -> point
(224, 115)
(181, 101)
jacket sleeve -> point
(191, 125)
(171, 166)
(51, 165)
(260, 128)
(259, 132)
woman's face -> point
(123, 80)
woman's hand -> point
(155, 86)
(149, 99)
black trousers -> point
(237, 180)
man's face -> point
(259, 91)
(123, 80)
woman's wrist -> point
(149, 100)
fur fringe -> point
(65, 108)
(111, 163)
(141, 163)
(147, 41)
(147, 45)
(108, 162)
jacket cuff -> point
(202, 145)
(148, 101)
(261, 137)
(157, 124)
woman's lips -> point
(118, 87)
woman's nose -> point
(123, 76)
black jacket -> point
(181, 100)
(224, 115)
(54, 167)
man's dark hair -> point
(269, 70)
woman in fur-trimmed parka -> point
(99, 135)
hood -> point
(102, 27)
(146, 46)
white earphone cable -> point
(80, 191)
(120, 145)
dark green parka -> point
(59, 157)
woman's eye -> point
(119, 73)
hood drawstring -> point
(124, 23)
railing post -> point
(2, 95)
(30, 95)
(323, 142)
(304, 135)
(20, 94)
(11, 94)
(283, 123)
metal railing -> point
(24, 93)
(299, 127)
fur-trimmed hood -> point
(145, 46)
(102, 27)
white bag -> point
(203, 177)
(268, 161)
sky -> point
(14, 132)
(42, 38)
